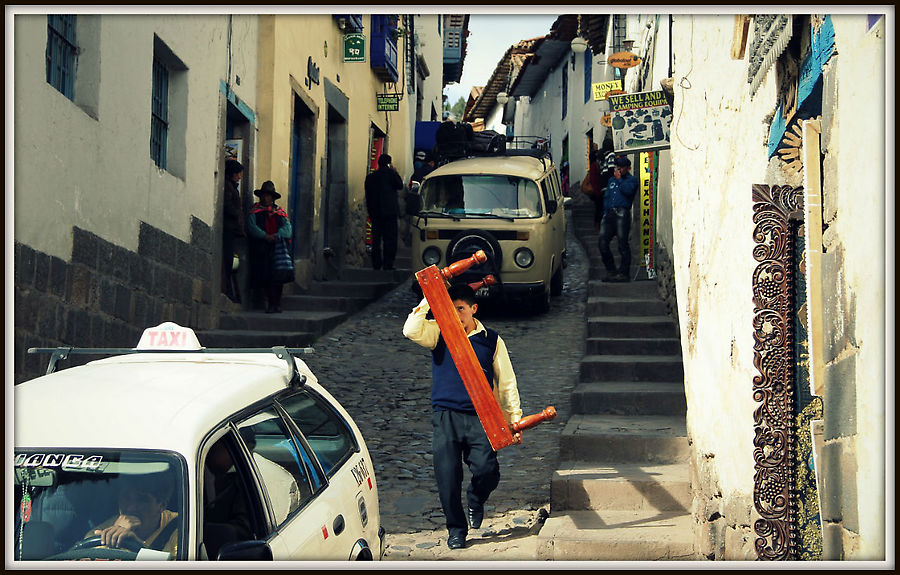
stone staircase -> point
(307, 314)
(622, 491)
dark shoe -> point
(270, 310)
(276, 309)
(475, 516)
(456, 542)
(620, 278)
(609, 278)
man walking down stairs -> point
(622, 492)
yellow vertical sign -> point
(646, 209)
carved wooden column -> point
(776, 210)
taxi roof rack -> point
(280, 351)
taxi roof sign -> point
(169, 335)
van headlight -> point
(524, 257)
(431, 256)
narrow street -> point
(384, 381)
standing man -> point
(458, 434)
(382, 203)
(232, 225)
(620, 192)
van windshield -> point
(63, 498)
(486, 194)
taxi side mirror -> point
(246, 551)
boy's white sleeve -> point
(505, 387)
(424, 332)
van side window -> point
(326, 432)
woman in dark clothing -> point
(267, 222)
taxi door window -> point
(326, 432)
(281, 470)
(232, 510)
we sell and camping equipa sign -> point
(640, 122)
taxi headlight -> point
(524, 257)
(431, 256)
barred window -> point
(159, 117)
(62, 53)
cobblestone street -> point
(384, 381)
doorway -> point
(302, 192)
(334, 204)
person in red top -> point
(266, 222)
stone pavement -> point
(384, 382)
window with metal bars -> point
(62, 53)
(159, 116)
(588, 72)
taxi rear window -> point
(63, 498)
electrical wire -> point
(685, 84)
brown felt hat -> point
(267, 188)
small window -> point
(326, 432)
(168, 110)
(588, 74)
(62, 53)
(565, 91)
(281, 469)
(159, 116)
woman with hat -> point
(266, 223)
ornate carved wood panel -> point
(777, 210)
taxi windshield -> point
(98, 505)
(482, 195)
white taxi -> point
(171, 451)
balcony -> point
(383, 46)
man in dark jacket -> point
(382, 203)
(232, 225)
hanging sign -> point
(600, 89)
(623, 60)
(387, 102)
(647, 171)
(606, 120)
(614, 93)
(354, 48)
(640, 122)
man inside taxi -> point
(143, 517)
(226, 517)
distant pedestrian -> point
(425, 168)
(458, 434)
(232, 225)
(267, 223)
(383, 205)
(617, 201)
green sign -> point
(354, 48)
(387, 102)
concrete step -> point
(638, 288)
(632, 368)
(359, 274)
(625, 439)
(633, 346)
(629, 398)
(229, 338)
(652, 326)
(610, 535)
(287, 321)
(344, 304)
(621, 486)
(604, 306)
(370, 290)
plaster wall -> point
(287, 44)
(432, 48)
(854, 211)
(718, 151)
(88, 164)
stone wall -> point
(105, 295)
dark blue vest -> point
(448, 392)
